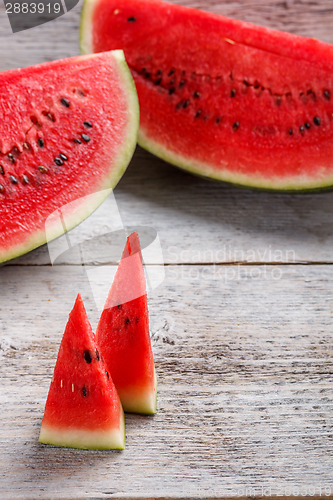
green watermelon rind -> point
(278, 184)
(85, 35)
(142, 401)
(119, 166)
(86, 439)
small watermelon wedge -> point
(83, 409)
(123, 333)
(222, 98)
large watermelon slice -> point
(123, 333)
(67, 132)
(223, 98)
(83, 409)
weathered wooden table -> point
(241, 325)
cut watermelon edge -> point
(85, 34)
(84, 439)
(119, 166)
(141, 401)
(39, 238)
(287, 184)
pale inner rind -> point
(110, 439)
(139, 400)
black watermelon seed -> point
(11, 158)
(85, 137)
(77, 141)
(312, 94)
(327, 94)
(218, 120)
(182, 83)
(171, 72)
(2, 189)
(84, 392)
(87, 124)
(40, 142)
(13, 179)
(42, 169)
(158, 81)
(65, 102)
(316, 121)
(307, 125)
(196, 95)
(97, 354)
(235, 126)
(172, 90)
(127, 321)
(58, 161)
(147, 75)
(232, 92)
(246, 83)
(25, 179)
(50, 117)
(198, 113)
(34, 120)
(186, 103)
(119, 306)
(290, 132)
(172, 82)
(87, 356)
(137, 320)
(107, 374)
(2, 170)
(131, 19)
(63, 157)
(159, 72)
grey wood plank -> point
(244, 362)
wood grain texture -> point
(245, 393)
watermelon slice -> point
(223, 98)
(67, 133)
(123, 334)
(83, 409)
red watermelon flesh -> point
(223, 98)
(83, 409)
(123, 333)
(67, 132)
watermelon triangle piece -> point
(123, 333)
(83, 409)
